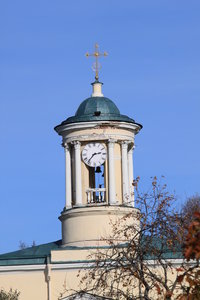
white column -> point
(78, 182)
(68, 180)
(125, 181)
(130, 173)
(111, 173)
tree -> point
(23, 245)
(10, 295)
(190, 284)
(140, 265)
(191, 206)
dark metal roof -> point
(35, 255)
(93, 104)
(38, 254)
(32, 255)
(97, 109)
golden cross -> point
(96, 65)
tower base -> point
(92, 225)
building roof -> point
(97, 109)
(38, 254)
(32, 255)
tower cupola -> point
(98, 142)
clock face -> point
(94, 154)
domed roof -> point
(97, 109)
(93, 104)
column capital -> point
(66, 146)
(125, 144)
(111, 142)
(76, 144)
(131, 147)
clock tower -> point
(98, 142)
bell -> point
(98, 170)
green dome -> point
(97, 104)
(97, 109)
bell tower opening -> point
(97, 188)
(96, 177)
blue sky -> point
(152, 73)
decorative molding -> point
(100, 137)
(22, 268)
(135, 128)
(78, 264)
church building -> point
(98, 142)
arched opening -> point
(96, 191)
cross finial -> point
(96, 65)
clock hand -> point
(91, 157)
